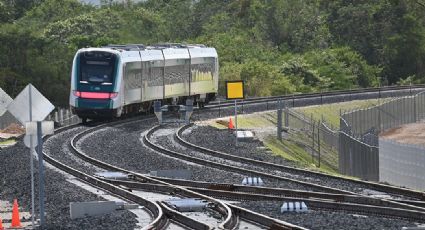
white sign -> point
(40, 106)
(47, 127)
(27, 141)
(5, 100)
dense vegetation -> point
(277, 46)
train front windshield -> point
(97, 67)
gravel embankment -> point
(15, 182)
(318, 219)
(125, 149)
(224, 141)
(122, 146)
(167, 140)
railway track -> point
(322, 97)
(224, 163)
(326, 201)
(324, 177)
(159, 220)
(161, 215)
(337, 194)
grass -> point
(257, 120)
(7, 142)
(298, 155)
(250, 121)
(330, 112)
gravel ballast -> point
(122, 146)
(125, 149)
(15, 182)
(319, 219)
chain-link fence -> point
(314, 135)
(357, 158)
(385, 116)
(61, 117)
(359, 141)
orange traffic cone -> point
(231, 124)
(16, 221)
(1, 225)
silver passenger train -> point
(119, 79)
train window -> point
(95, 54)
(97, 68)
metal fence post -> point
(219, 108)
(318, 140)
(286, 117)
(56, 117)
(293, 101)
(67, 117)
(61, 116)
(312, 139)
(414, 109)
(279, 121)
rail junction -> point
(73, 150)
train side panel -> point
(204, 71)
(152, 75)
(132, 77)
(177, 73)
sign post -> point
(235, 90)
(30, 105)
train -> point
(114, 80)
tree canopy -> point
(276, 46)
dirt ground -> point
(13, 130)
(408, 134)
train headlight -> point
(113, 95)
(76, 93)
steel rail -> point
(378, 90)
(414, 205)
(182, 219)
(159, 219)
(380, 187)
(242, 213)
(313, 95)
(393, 203)
(226, 167)
(228, 223)
(344, 203)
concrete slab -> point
(245, 135)
(92, 208)
(187, 205)
(112, 175)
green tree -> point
(405, 51)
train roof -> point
(138, 47)
(160, 51)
